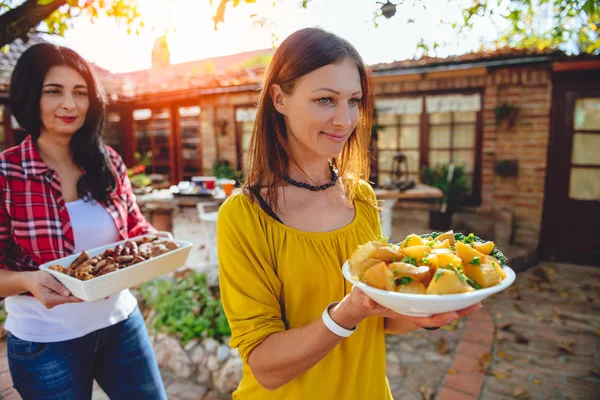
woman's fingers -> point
(51, 283)
(50, 299)
(469, 310)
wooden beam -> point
(397, 78)
(457, 73)
(562, 66)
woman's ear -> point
(278, 98)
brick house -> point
(434, 111)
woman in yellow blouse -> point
(301, 330)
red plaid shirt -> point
(34, 223)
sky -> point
(191, 36)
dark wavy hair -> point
(87, 148)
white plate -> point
(113, 282)
(424, 305)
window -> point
(244, 121)
(191, 143)
(152, 130)
(584, 181)
(429, 130)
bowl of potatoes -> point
(429, 274)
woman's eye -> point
(354, 102)
(52, 91)
(81, 94)
(325, 100)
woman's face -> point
(64, 101)
(322, 110)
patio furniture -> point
(388, 198)
(207, 211)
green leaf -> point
(405, 280)
(45, 2)
(475, 261)
(409, 260)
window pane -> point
(586, 149)
(466, 116)
(439, 118)
(464, 136)
(465, 158)
(409, 137)
(439, 157)
(383, 178)
(585, 184)
(387, 138)
(439, 137)
(410, 119)
(412, 158)
(587, 114)
(384, 161)
(387, 119)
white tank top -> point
(29, 320)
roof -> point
(502, 54)
(218, 72)
(9, 59)
(244, 71)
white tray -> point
(113, 282)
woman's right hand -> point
(47, 289)
(357, 306)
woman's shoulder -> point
(114, 157)
(237, 206)
(365, 192)
(11, 160)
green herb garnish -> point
(409, 260)
(471, 282)
(475, 261)
(469, 239)
(438, 274)
(405, 280)
(382, 239)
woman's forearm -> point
(285, 355)
(12, 283)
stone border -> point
(465, 377)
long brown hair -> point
(268, 157)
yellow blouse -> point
(274, 277)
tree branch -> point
(17, 22)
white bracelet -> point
(332, 325)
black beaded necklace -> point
(308, 186)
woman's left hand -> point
(165, 235)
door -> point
(571, 230)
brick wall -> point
(219, 142)
(529, 89)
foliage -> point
(506, 113)
(454, 190)
(223, 169)
(3, 314)
(496, 253)
(186, 307)
(571, 25)
(507, 168)
(61, 12)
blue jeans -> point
(120, 358)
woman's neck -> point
(54, 150)
(315, 172)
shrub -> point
(185, 307)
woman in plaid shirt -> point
(63, 191)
